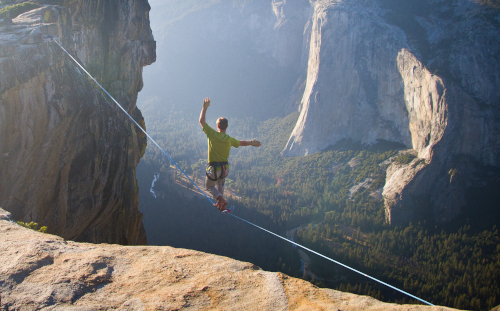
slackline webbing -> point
(248, 222)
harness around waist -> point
(213, 167)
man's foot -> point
(221, 203)
(223, 207)
(228, 210)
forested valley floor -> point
(329, 201)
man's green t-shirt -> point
(219, 144)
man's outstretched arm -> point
(253, 142)
(206, 103)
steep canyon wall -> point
(68, 156)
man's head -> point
(222, 123)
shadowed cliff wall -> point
(68, 157)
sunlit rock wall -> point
(353, 87)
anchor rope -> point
(246, 221)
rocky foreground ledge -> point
(43, 271)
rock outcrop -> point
(42, 271)
(67, 155)
(428, 79)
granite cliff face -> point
(68, 156)
(42, 271)
(425, 75)
(353, 87)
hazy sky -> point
(208, 50)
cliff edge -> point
(67, 155)
(43, 271)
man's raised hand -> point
(206, 103)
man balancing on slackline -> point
(219, 145)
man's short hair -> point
(222, 123)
